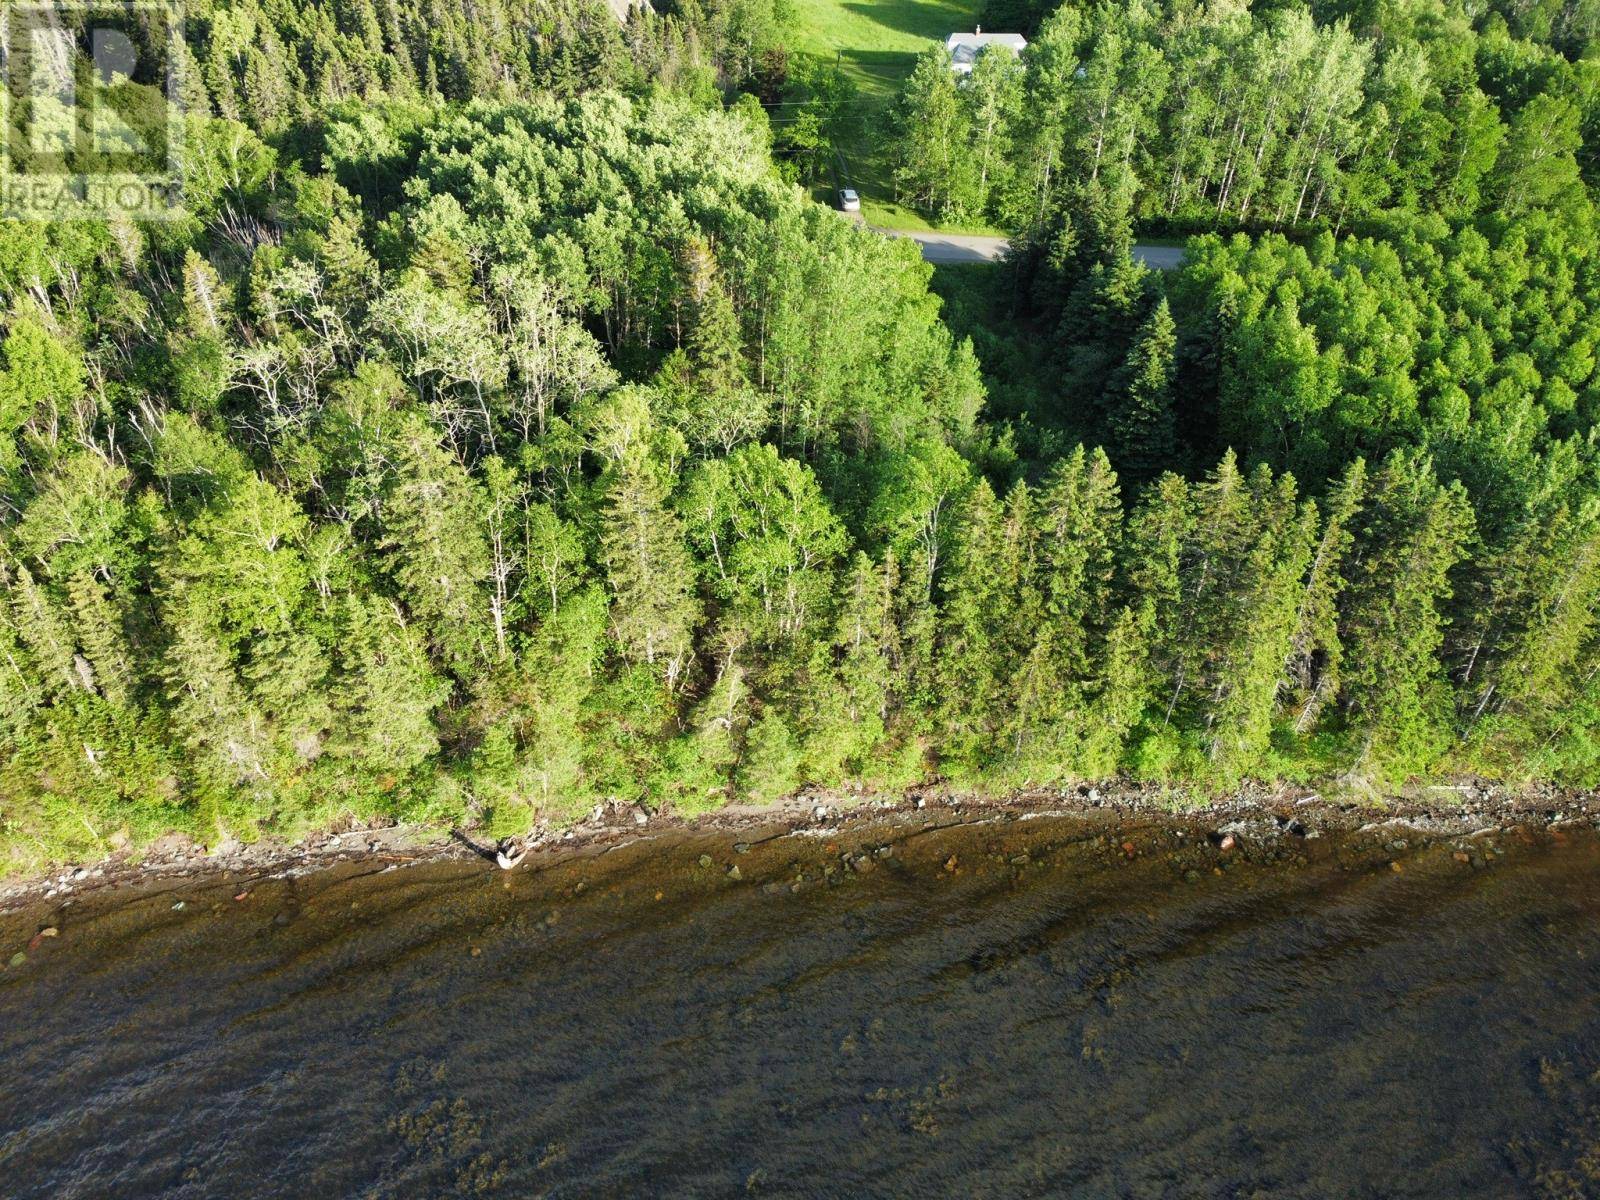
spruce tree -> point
(385, 690)
(1139, 402)
(850, 701)
(434, 546)
(101, 635)
(770, 765)
(1316, 653)
(970, 668)
(1076, 519)
(1121, 694)
(648, 568)
(1527, 613)
(41, 379)
(1413, 531)
(1267, 590)
(39, 627)
(210, 709)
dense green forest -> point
(502, 432)
(1273, 116)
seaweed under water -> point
(1003, 1009)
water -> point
(1078, 1024)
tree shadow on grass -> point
(920, 19)
(876, 74)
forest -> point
(502, 431)
(1267, 117)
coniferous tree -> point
(41, 379)
(1076, 518)
(43, 636)
(970, 666)
(1413, 531)
(385, 690)
(1527, 615)
(1097, 326)
(1139, 417)
(100, 633)
(648, 568)
(1121, 693)
(770, 765)
(1316, 652)
(847, 702)
(434, 546)
(493, 460)
(1269, 588)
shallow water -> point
(1082, 1023)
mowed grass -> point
(875, 43)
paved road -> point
(1159, 258)
(971, 248)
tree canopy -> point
(501, 432)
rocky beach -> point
(1186, 833)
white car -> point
(848, 200)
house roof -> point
(964, 47)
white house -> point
(964, 47)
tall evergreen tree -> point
(1413, 531)
(1316, 652)
(1139, 417)
(648, 569)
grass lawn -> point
(875, 43)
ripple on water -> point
(989, 1011)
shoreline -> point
(1250, 816)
